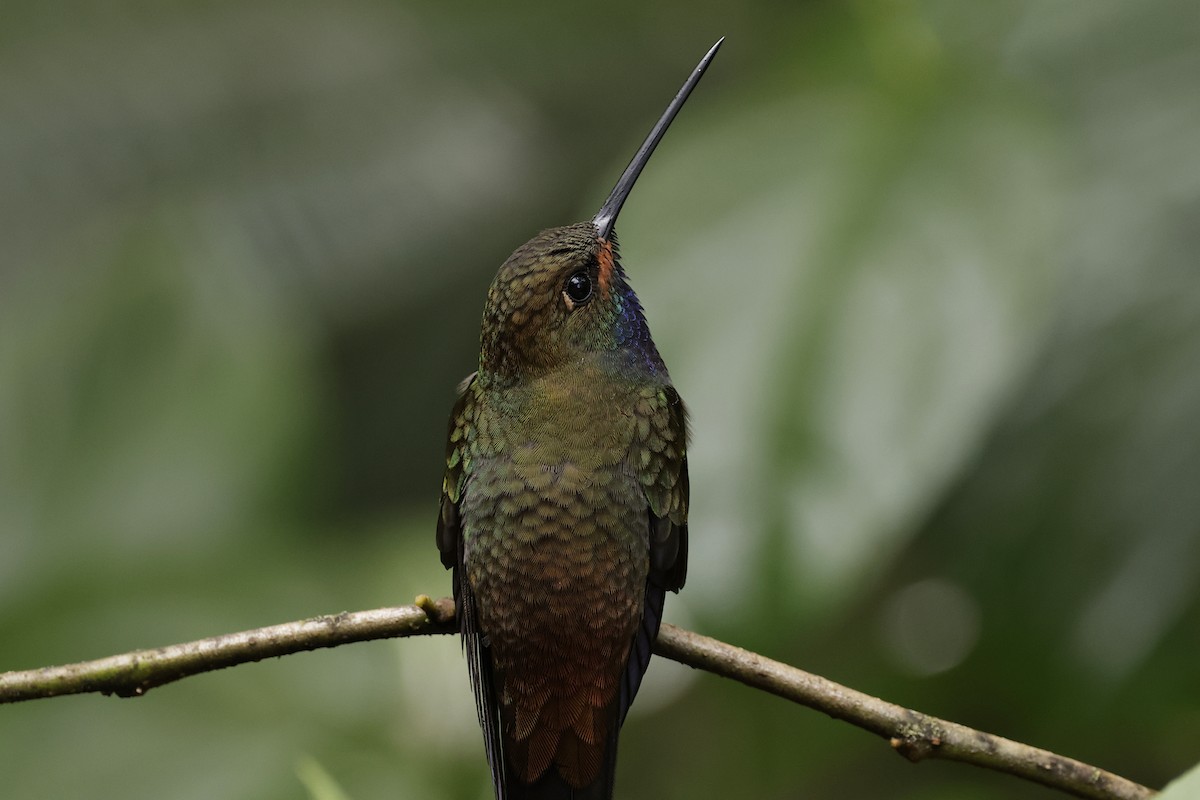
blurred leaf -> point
(865, 282)
(319, 783)
(1185, 787)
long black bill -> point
(607, 216)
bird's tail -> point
(551, 785)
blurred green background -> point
(924, 271)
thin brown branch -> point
(914, 735)
(134, 674)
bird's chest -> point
(557, 435)
(554, 491)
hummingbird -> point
(564, 503)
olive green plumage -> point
(564, 511)
(564, 504)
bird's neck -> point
(621, 347)
(633, 348)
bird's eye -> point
(578, 289)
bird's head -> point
(563, 296)
(560, 297)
